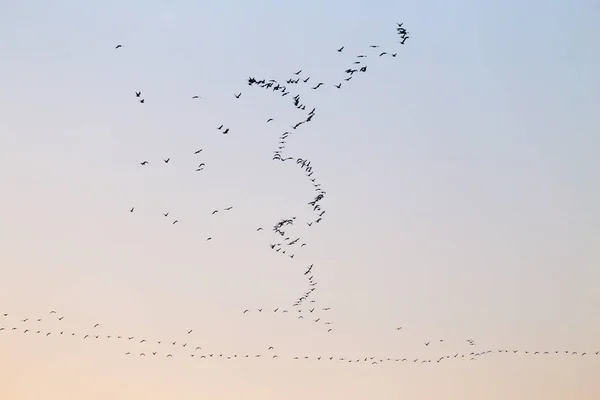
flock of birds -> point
(285, 244)
(187, 349)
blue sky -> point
(462, 190)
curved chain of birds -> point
(284, 245)
(201, 353)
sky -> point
(461, 181)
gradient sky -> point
(462, 184)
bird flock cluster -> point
(284, 243)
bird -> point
(132, 208)
(138, 94)
(190, 331)
(195, 97)
(197, 151)
(226, 131)
(166, 214)
(97, 325)
(270, 119)
(297, 73)
(237, 96)
(142, 101)
(339, 85)
(174, 222)
(340, 49)
(118, 46)
(167, 160)
(144, 163)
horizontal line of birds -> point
(206, 354)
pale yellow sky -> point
(462, 191)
